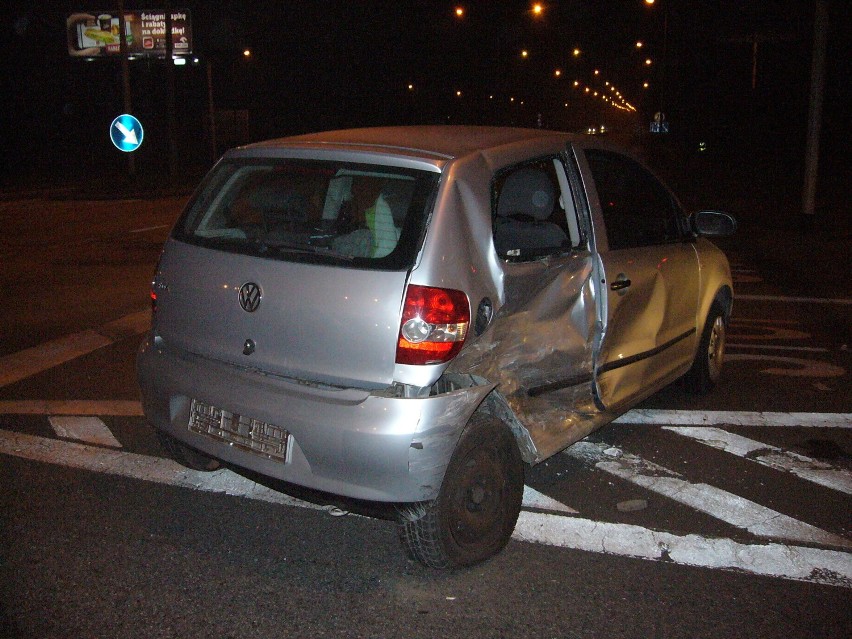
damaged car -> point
(411, 315)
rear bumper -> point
(348, 442)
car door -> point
(648, 280)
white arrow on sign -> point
(129, 134)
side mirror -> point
(714, 223)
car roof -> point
(431, 142)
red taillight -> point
(434, 325)
(153, 302)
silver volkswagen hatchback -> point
(410, 315)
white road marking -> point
(115, 407)
(811, 470)
(799, 367)
(768, 347)
(774, 560)
(30, 361)
(134, 466)
(798, 563)
(734, 418)
(90, 430)
(150, 228)
(17, 366)
(721, 504)
(535, 499)
(786, 299)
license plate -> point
(246, 433)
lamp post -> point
(663, 60)
(815, 112)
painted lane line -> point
(89, 430)
(799, 367)
(127, 326)
(768, 347)
(808, 469)
(115, 407)
(734, 418)
(773, 560)
(721, 504)
(535, 499)
(135, 466)
(797, 563)
(801, 300)
(30, 361)
(150, 228)
(17, 366)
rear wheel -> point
(478, 505)
(707, 367)
(186, 456)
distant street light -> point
(537, 9)
(460, 12)
(247, 53)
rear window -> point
(368, 216)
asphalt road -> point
(719, 516)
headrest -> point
(527, 191)
(277, 196)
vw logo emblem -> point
(250, 296)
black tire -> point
(477, 507)
(707, 367)
(186, 456)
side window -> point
(637, 209)
(529, 216)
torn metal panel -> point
(539, 351)
(446, 416)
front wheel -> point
(707, 367)
(477, 507)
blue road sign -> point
(126, 133)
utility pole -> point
(125, 78)
(170, 92)
(815, 112)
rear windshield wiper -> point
(300, 249)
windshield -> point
(318, 211)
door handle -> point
(620, 284)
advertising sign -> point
(97, 34)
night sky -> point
(318, 65)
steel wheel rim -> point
(716, 348)
(477, 499)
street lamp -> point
(664, 59)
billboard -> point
(97, 34)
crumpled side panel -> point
(539, 351)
